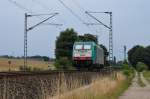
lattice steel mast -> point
(26, 30)
(110, 27)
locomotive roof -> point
(84, 43)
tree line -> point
(139, 54)
(36, 57)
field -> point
(16, 63)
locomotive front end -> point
(82, 52)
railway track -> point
(40, 85)
(36, 73)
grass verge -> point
(114, 94)
(140, 82)
(103, 88)
(146, 74)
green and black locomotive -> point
(88, 55)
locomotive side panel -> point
(99, 56)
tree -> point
(64, 43)
(63, 64)
(134, 55)
(45, 58)
(88, 37)
(141, 66)
(147, 56)
(139, 54)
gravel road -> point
(137, 92)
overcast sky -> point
(131, 23)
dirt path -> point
(137, 92)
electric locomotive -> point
(88, 55)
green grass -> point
(140, 82)
(146, 74)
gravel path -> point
(137, 92)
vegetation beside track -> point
(146, 74)
(110, 87)
(140, 82)
(105, 88)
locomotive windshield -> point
(87, 47)
(78, 47)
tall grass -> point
(100, 88)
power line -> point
(42, 5)
(69, 9)
(83, 10)
(20, 6)
(78, 5)
(48, 9)
(30, 11)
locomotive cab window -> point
(78, 47)
(87, 47)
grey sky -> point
(130, 21)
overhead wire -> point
(78, 5)
(48, 9)
(83, 9)
(71, 11)
(20, 6)
(74, 14)
(42, 5)
(28, 10)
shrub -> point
(126, 67)
(141, 67)
(63, 63)
(21, 68)
(36, 69)
(127, 70)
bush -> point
(126, 67)
(36, 69)
(141, 67)
(63, 64)
(21, 68)
(127, 70)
